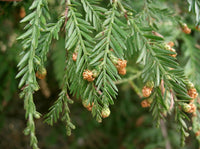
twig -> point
(68, 96)
(162, 87)
(128, 79)
(100, 93)
(157, 34)
(66, 14)
(135, 88)
(172, 100)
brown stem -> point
(135, 88)
(162, 87)
(157, 34)
(66, 14)
(67, 96)
(100, 93)
(133, 77)
(24, 86)
(172, 100)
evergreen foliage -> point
(194, 6)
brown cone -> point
(146, 91)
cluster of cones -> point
(121, 66)
(91, 75)
(189, 108)
(119, 63)
(169, 46)
(88, 75)
(192, 92)
(87, 105)
(185, 28)
(146, 92)
(105, 112)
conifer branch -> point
(78, 36)
(93, 12)
(132, 77)
(196, 124)
(94, 65)
(61, 106)
(50, 32)
(182, 127)
(159, 64)
(194, 6)
(192, 69)
(111, 37)
(174, 80)
(79, 41)
(27, 65)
